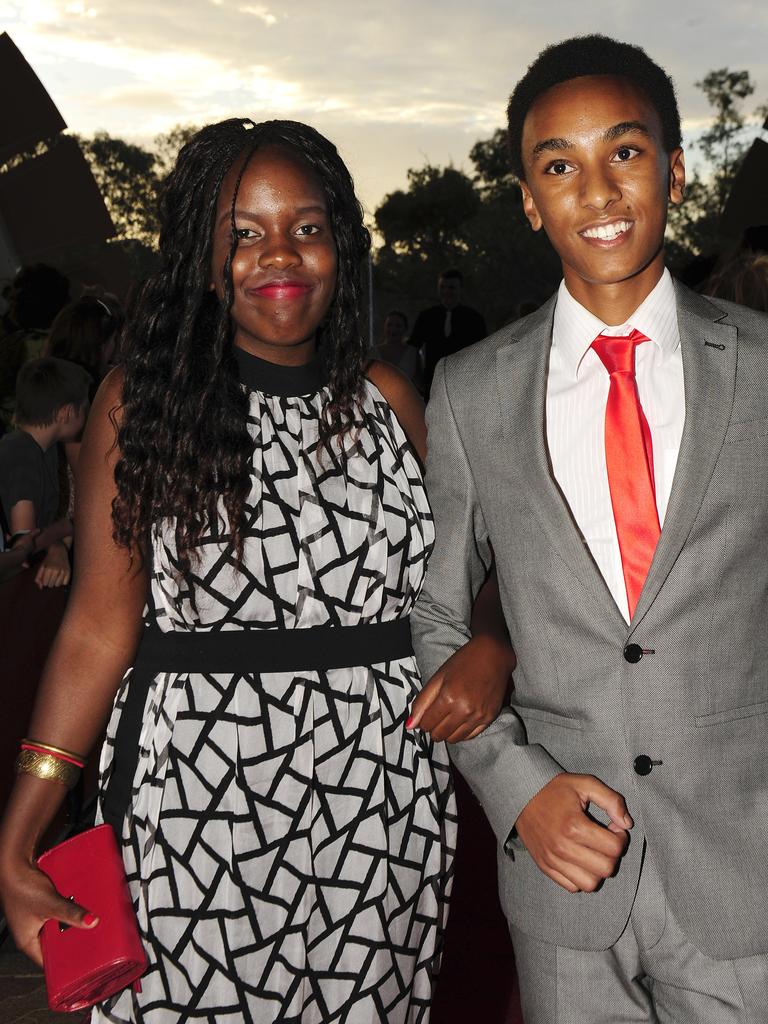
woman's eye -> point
(308, 229)
(244, 233)
(559, 167)
(625, 153)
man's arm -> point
(501, 767)
(519, 784)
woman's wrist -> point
(497, 649)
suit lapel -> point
(709, 373)
(521, 375)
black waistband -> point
(273, 650)
(238, 651)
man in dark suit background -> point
(448, 327)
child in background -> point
(51, 407)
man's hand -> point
(466, 693)
(54, 569)
(566, 844)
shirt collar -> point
(575, 328)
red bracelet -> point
(54, 753)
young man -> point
(51, 406)
(446, 328)
(611, 452)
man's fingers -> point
(561, 879)
(595, 791)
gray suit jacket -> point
(697, 700)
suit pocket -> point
(747, 430)
(550, 717)
(732, 714)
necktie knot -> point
(617, 354)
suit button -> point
(643, 764)
(633, 653)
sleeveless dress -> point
(288, 843)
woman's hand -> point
(466, 693)
(29, 900)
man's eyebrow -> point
(614, 132)
(626, 128)
(550, 144)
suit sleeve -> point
(502, 768)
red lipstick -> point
(281, 288)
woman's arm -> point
(95, 645)
(466, 693)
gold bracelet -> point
(47, 766)
(57, 750)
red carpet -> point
(29, 619)
(477, 979)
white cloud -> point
(259, 12)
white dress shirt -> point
(577, 391)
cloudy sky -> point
(394, 84)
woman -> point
(394, 347)
(287, 839)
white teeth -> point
(608, 231)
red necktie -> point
(629, 459)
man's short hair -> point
(44, 385)
(451, 275)
(591, 55)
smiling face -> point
(284, 268)
(598, 180)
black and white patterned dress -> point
(288, 843)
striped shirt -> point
(577, 391)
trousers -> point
(652, 973)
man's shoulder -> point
(481, 357)
(721, 310)
(17, 444)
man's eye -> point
(559, 167)
(625, 153)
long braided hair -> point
(183, 439)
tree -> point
(695, 224)
(426, 221)
(167, 146)
(127, 178)
(446, 218)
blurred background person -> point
(51, 407)
(394, 348)
(35, 296)
(447, 327)
(85, 332)
(743, 279)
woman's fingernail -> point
(628, 821)
(409, 722)
(90, 920)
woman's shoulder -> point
(404, 400)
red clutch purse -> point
(85, 966)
